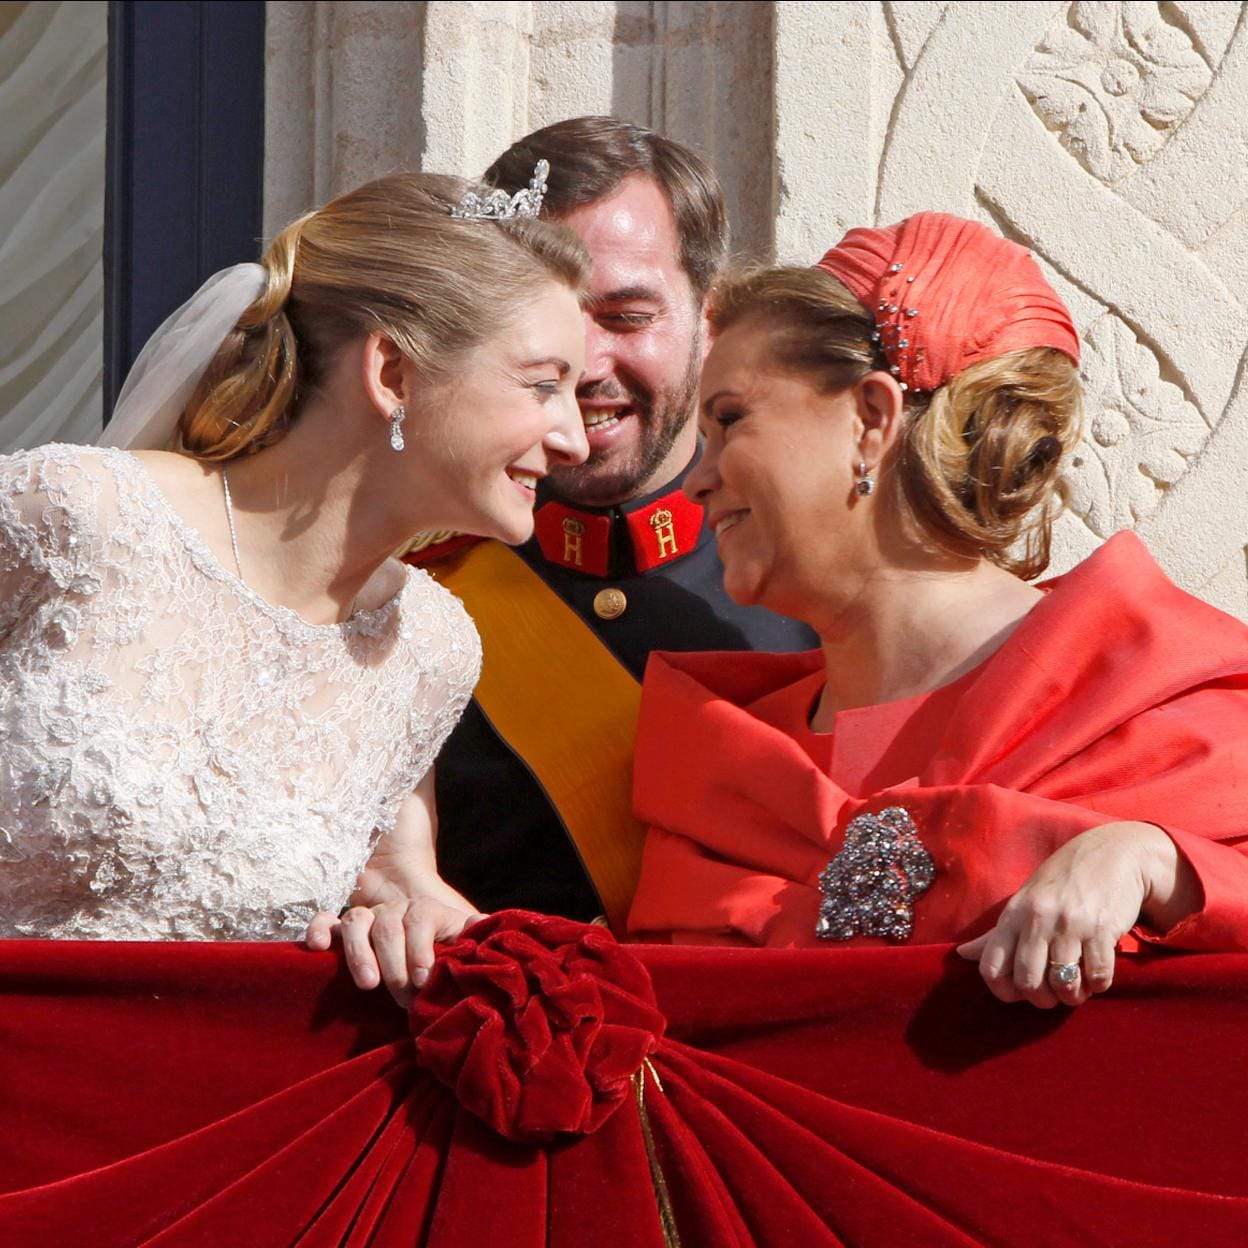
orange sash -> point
(564, 703)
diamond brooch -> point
(870, 886)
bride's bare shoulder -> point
(190, 487)
(171, 470)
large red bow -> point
(536, 1024)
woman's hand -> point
(1075, 908)
(401, 906)
(391, 942)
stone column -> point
(343, 92)
(357, 89)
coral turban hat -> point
(946, 292)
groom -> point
(533, 785)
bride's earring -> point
(866, 482)
(396, 428)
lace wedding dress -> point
(179, 759)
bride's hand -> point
(1075, 908)
(401, 906)
(392, 942)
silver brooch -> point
(870, 886)
(499, 206)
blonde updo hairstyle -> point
(976, 466)
(387, 258)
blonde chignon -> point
(386, 258)
(977, 465)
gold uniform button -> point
(609, 604)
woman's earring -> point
(396, 428)
(865, 483)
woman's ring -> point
(1065, 973)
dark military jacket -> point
(500, 841)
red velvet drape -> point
(248, 1094)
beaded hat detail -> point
(945, 293)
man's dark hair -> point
(589, 158)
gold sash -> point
(564, 703)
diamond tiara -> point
(499, 206)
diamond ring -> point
(1064, 973)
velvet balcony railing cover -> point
(554, 1087)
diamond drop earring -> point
(865, 483)
(396, 428)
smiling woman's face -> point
(777, 476)
(509, 415)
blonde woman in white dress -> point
(220, 696)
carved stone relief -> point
(1141, 432)
(1113, 81)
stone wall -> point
(1109, 137)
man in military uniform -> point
(533, 785)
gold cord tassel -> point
(667, 1219)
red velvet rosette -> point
(536, 1024)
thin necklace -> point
(229, 518)
(234, 536)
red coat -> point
(1118, 697)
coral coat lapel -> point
(1118, 697)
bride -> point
(220, 697)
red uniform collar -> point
(661, 530)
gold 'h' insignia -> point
(665, 531)
(573, 532)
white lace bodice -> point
(180, 759)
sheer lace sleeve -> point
(49, 530)
(450, 648)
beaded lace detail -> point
(180, 759)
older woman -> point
(1044, 772)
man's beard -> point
(618, 474)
